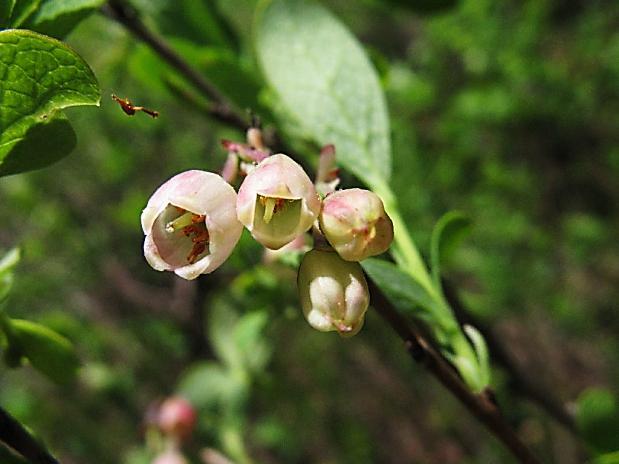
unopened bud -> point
(277, 201)
(334, 294)
(176, 417)
(355, 224)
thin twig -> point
(518, 380)
(221, 109)
(16, 437)
(482, 406)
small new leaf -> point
(448, 231)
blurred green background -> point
(505, 110)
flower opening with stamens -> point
(190, 224)
(277, 201)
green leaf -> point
(43, 144)
(326, 83)
(608, 458)
(401, 289)
(238, 341)
(6, 9)
(448, 231)
(22, 10)
(250, 341)
(59, 17)
(207, 385)
(481, 350)
(40, 76)
(48, 352)
(597, 418)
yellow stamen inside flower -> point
(269, 209)
(182, 221)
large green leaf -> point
(325, 81)
(59, 17)
(48, 352)
(40, 77)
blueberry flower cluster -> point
(194, 220)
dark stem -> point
(519, 382)
(483, 406)
(16, 437)
(221, 109)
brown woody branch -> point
(483, 406)
(221, 109)
(16, 437)
(519, 381)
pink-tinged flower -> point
(190, 224)
(277, 201)
(334, 293)
(176, 417)
(171, 456)
(355, 224)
